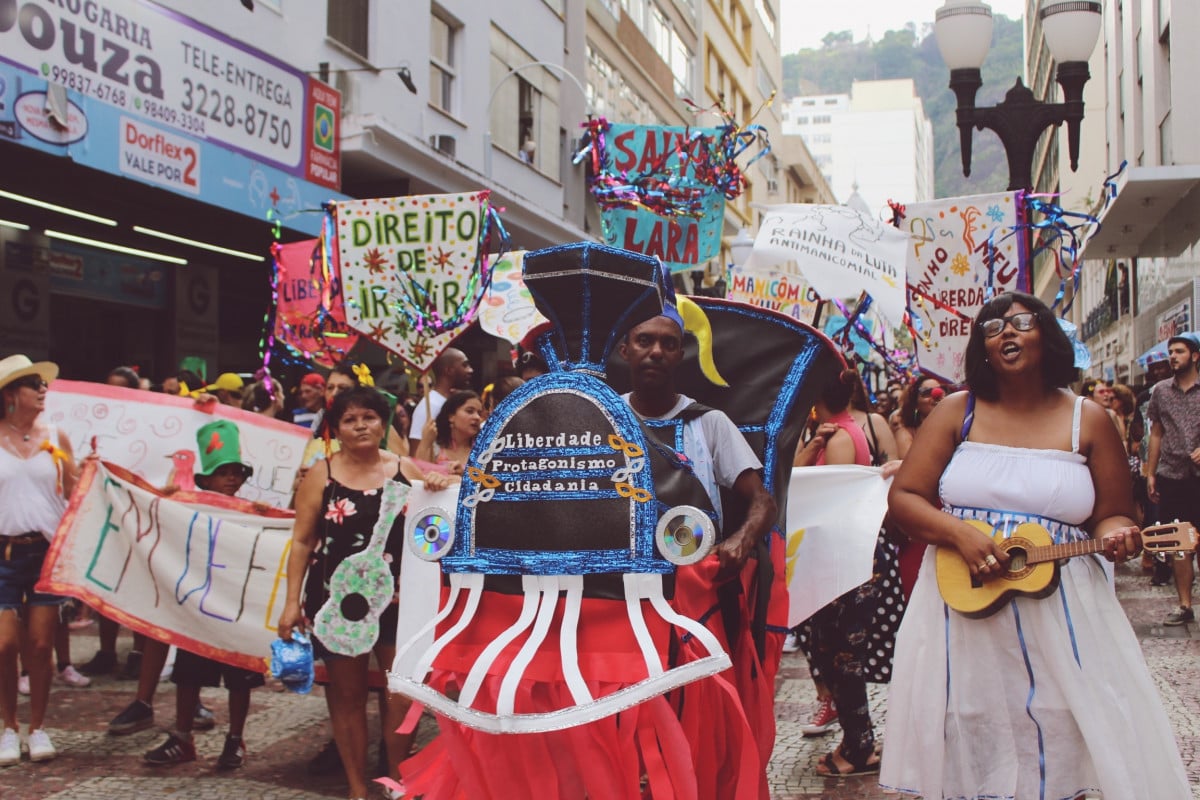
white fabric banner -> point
(833, 520)
(948, 261)
(199, 570)
(153, 435)
(841, 252)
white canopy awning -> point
(1156, 213)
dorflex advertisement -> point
(182, 93)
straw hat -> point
(18, 366)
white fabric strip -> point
(400, 664)
(490, 653)
(568, 643)
(474, 586)
(636, 587)
(506, 702)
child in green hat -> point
(221, 471)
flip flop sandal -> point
(832, 771)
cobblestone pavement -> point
(285, 730)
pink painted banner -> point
(153, 435)
(309, 315)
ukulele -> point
(1033, 564)
(362, 586)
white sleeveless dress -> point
(1046, 699)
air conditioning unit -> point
(347, 84)
(443, 143)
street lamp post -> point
(964, 33)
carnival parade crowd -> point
(1046, 697)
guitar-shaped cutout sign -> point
(362, 586)
(1033, 565)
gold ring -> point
(981, 566)
(990, 561)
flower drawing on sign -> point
(442, 258)
(995, 213)
(960, 265)
(374, 261)
(337, 510)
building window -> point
(767, 16)
(1166, 154)
(529, 103)
(443, 58)
(682, 66)
(347, 22)
(822, 119)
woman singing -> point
(1047, 697)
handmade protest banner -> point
(841, 252)
(198, 570)
(831, 543)
(309, 315)
(960, 254)
(679, 224)
(776, 290)
(508, 310)
(153, 436)
(413, 268)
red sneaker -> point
(822, 721)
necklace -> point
(25, 437)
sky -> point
(805, 22)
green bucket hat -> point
(219, 443)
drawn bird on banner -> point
(183, 470)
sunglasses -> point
(30, 382)
(1024, 321)
(926, 391)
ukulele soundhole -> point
(1018, 555)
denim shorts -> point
(19, 574)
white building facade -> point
(877, 138)
(1149, 232)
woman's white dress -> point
(1047, 698)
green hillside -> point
(906, 54)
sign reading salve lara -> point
(641, 153)
(148, 60)
(949, 263)
(405, 260)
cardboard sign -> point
(198, 570)
(776, 290)
(831, 543)
(153, 436)
(840, 251)
(401, 255)
(948, 261)
(637, 152)
(309, 315)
